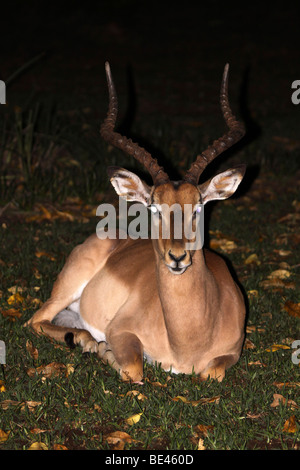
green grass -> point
(48, 157)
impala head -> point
(166, 198)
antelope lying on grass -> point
(128, 299)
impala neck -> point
(184, 298)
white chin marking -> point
(177, 271)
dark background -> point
(167, 59)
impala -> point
(157, 299)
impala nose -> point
(177, 259)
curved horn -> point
(117, 140)
(235, 133)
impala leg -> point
(124, 354)
(216, 368)
(82, 264)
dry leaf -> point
(252, 328)
(201, 444)
(202, 429)
(277, 347)
(2, 386)
(225, 245)
(287, 384)
(277, 398)
(4, 435)
(276, 282)
(257, 363)
(11, 314)
(53, 369)
(37, 430)
(39, 254)
(17, 289)
(15, 299)
(202, 401)
(252, 259)
(290, 424)
(59, 447)
(292, 308)
(279, 274)
(252, 293)
(248, 344)
(137, 394)
(32, 350)
(118, 439)
(134, 418)
(38, 446)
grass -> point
(45, 162)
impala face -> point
(177, 209)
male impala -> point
(128, 299)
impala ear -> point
(223, 185)
(128, 185)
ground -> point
(167, 63)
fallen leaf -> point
(53, 369)
(37, 430)
(38, 446)
(248, 344)
(292, 308)
(279, 274)
(136, 394)
(16, 289)
(277, 399)
(32, 350)
(5, 404)
(202, 429)
(252, 328)
(201, 444)
(4, 435)
(225, 245)
(287, 384)
(257, 363)
(11, 314)
(290, 424)
(39, 254)
(277, 347)
(252, 259)
(276, 282)
(59, 447)
(118, 439)
(252, 293)
(15, 299)
(134, 418)
(202, 401)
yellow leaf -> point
(276, 347)
(38, 446)
(2, 386)
(3, 435)
(290, 424)
(225, 245)
(134, 418)
(252, 259)
(39, 254)
(201, 444)
(252, 293)
(15, 299)
(279, 274)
